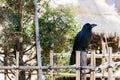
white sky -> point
(63, 2)
(66, 1)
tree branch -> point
(30, 59)
(29, 48)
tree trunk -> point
(19, 44)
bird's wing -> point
(76, 42)
(75, 47)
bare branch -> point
(30, 59)
(29, 48)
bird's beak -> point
(93, 25)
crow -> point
(81, 41)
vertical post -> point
(5, 75)
(17, 65)
(103, 59)
(110, 69)
(77, 65)
(93, 64)
(51, 64)
(37, 40)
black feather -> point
(81, 41)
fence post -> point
(37, 40)
(77, 65)
(51, 64)
(17, 65)
(110, 68)
(93, 64)
(103, 59)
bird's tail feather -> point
(72, 59)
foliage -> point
(57, 27)
(15, 34)
(57, 30)
(61, 59)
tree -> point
(16, 33)
(57, 29)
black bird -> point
(81, 41)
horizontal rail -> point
(101, 55)
(45, 67)
(97, 75)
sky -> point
(63, 2)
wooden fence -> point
(93, 66)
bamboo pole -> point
(42, 67)
(37, 40)
(93, 63)
(51, 64)
(106, 55)
(97, 75)
(110, 68)
(103, 59)
(17, 65)
(77, 65)
(83, 57)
